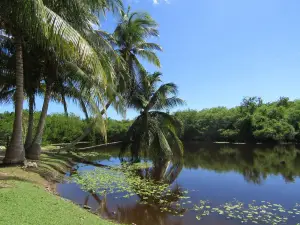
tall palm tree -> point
(32, 73)
(33, 21)
(154, 131)
(130, 41)
(130, 38)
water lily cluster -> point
(256, 212)
(126, 181)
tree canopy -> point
(252, 121)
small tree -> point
(154, 131)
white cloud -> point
(156, 2)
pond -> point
(215, 184)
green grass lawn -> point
(23, 203)
(25, 198)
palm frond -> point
(48, 29)
(159, 98)
(168, 103)
(149, 56)
(149, 46)
(6, 96)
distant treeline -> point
(251, 122)
(62, 129)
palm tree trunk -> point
(15, 151)
(86, 131)
(65, 104)
(83, 107)
(29, 134)
(34, 150)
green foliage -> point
(60, 128)
(153, 131)
(6, 124)
(252, 121)
(116, 130)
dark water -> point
(218, 173)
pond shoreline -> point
(51, 170)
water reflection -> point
(218, 173)
(157, 210)
(254, 163)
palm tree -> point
(32, 73)
(61, 81)
(130, 38)
(130, 41)
(35, 22)
(153, 129)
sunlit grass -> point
(26, 198)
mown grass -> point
(26, 203)
(26, 196)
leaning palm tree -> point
(154, 131)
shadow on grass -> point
(13, 178)
(51, 169)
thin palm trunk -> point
(86, 131)
(34, 150)
(29, 135)
(64, 104)
(15, 151)
(83, 107)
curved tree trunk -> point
(29, 134)
(83, 107)
(86, 131)
(34, 151)
(15, 151)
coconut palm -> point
(36, 69)
(32, 73)
(130, 38)
(35, 21)
(154, 131)
(130, 41)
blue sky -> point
(218, 51)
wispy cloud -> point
(156, 2)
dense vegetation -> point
(252, 121)
(60, 128)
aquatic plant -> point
(126, 181)
(256, 212)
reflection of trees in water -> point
(102, 208)
(163, 171)
(253, 176)
(253, 162)
(144, 215)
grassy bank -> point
(26, 196)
